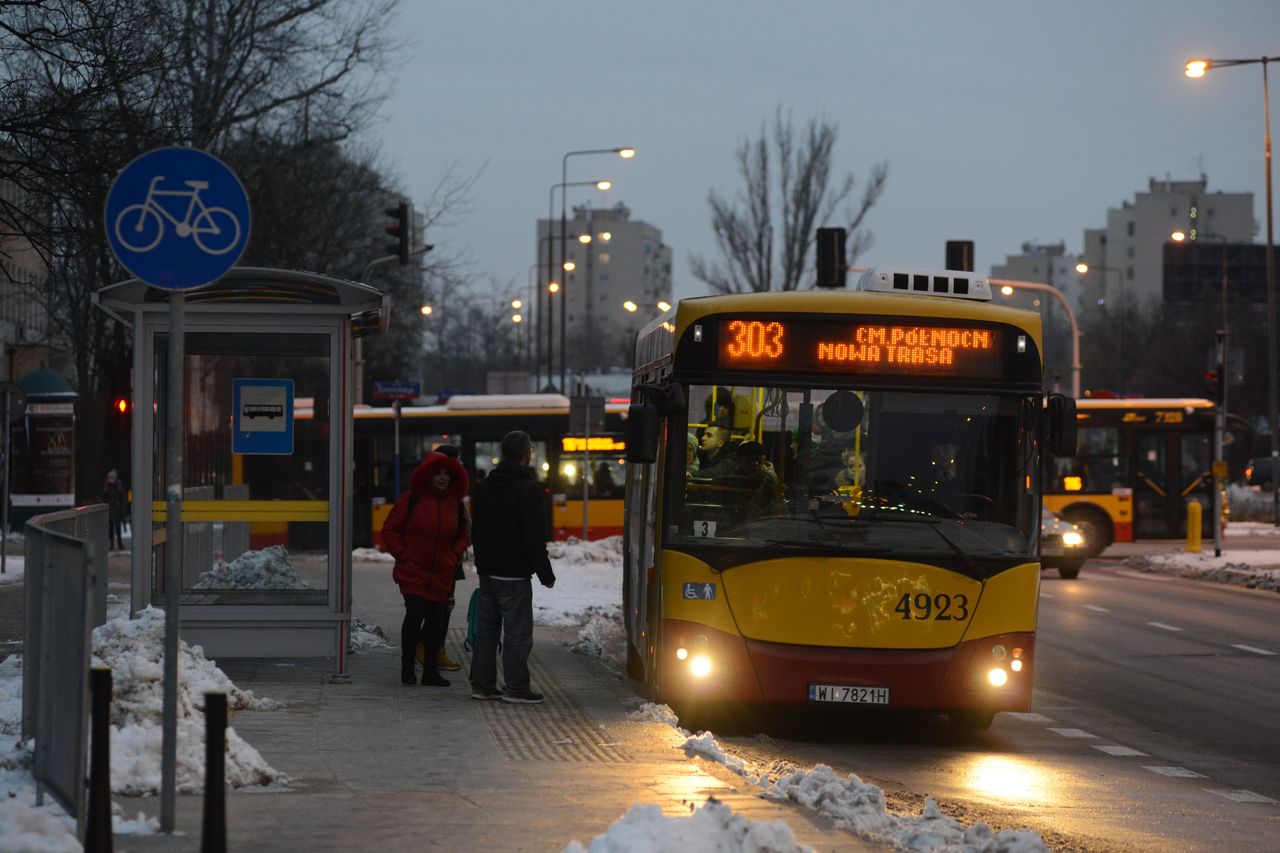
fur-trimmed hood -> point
(420, 481)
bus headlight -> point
(700, 666)
(997, 677)
(1016, 665)
(682, 653)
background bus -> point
(1137, 463)
(873, 539)
(476, 424)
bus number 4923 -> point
(940, 607)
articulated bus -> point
(476, 424)
(868, 534)
(1136, 465)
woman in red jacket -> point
(424, 533)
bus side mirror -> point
(1062, 425)
(642, 433)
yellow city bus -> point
(476, 424)
(1137, 463)
(868, 535)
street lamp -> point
(1197, 68)
(552, 284)
(626, 153)
(1084, 269)
(1008, 286)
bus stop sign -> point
(177, 218)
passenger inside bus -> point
(717, 452)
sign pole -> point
(586, 459)
(4, 510)
(174, 431)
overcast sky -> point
(1001, 122)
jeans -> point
(505, 606)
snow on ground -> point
(133, 648)
(14, 565)
(712, 827)
(1254, 568)
(366, 639)
(265, 569)
(588, 574)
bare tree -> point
(787, 178)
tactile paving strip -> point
(558, 729)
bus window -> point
(817, 462)
(1098, 466)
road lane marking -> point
(1112, 749)
(1030, 717)
(1079, 733)
(1251, 649)
(1180, 772)
(1044, 594)
(1240, 795)
(1163, 626)
(1095, 607)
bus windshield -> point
(887, 473)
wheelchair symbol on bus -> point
(695, 591)
(140, 227)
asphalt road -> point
(1155, 725)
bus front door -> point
(1155, 498)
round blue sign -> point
(177, 218)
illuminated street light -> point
(630, 306)
(664, 306)
(1195, 69)
(605, 236)
(426, 310)
(1007, 286)
(626, 152)
(584, 239)
(554, 287)
(570, 266)
(516, 304)
(516, 318)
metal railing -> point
(65, 598)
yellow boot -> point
(446, 663)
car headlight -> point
(1072, 539)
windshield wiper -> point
(933, 522)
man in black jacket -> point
(509, 534)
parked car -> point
(1062, 545)
(1260, 472)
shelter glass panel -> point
(255, 526)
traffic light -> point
(830, 261)
(1213, 383)
(121, 407)
(960, 255)
(400, 229)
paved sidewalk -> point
(378, 766)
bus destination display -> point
(871, 346)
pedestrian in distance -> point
(423, 532)
(509, 532)
(117, 501)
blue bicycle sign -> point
(177, 218)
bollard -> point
(1194, 511)
(213, 834)
(97, 833)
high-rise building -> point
(620, 275)
(25, 334)
(1126, 257)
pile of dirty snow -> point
(134, 649)
(265, 569)
(713, 826)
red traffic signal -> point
(400, 229)
(121, 406)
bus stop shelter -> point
(266, 519)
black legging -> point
(423, 619)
